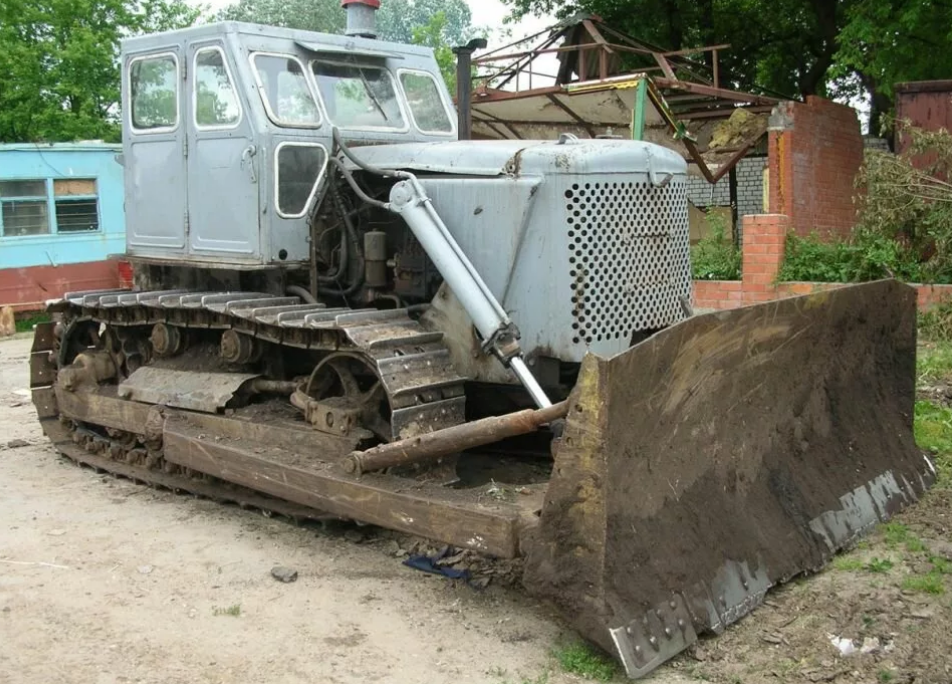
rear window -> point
(358, 96)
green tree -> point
(437, 24)
(433, 35)
(884, 43)
(449, 20)
(59, 63)
(326, 16)
(841, 48)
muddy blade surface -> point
(724, 456)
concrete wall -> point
(750, 189)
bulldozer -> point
(338, 308)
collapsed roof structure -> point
(611, 84)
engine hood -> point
(524, 157)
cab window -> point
(427, 106)
(153, 86)
(358, 96)
(216, 102)
(284, 90)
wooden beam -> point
(665, 67)
(436, 513)
(687, 86)
(131, 416)
(597, 35)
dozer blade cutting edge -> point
(723, 456)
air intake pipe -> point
(361, 19)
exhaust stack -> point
(361, 19)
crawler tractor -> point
(340, 309)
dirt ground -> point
(105, 581)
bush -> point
(715, 257)
(936, 323)
(868, 256)
(904, 227)
(812, 259)
(905, 212)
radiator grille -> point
(629, 258)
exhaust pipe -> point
(361, 19)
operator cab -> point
(228, 128)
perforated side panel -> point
(629, 258)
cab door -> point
(155, 182)
(222, 160)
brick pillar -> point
(764, 237)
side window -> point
(153, 85)
(284, 90)
(76, 204)
(358, 96)
(299, 170)
(216, 102)
(426, 104)
(24, 208)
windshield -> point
(358, 96)
(284, 90)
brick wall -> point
(815, 149)
(763, 245)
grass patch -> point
(933, 430)
(583, 660)
(925, 584)
(895, 533)
(941, 565)
(934, 361)
(847, 564)
(879, 565)
(884, 675)
(233, 610)
(26, 323)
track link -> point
(423, 388)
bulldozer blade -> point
(723, 456)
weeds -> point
(715, 257)
(933, 430)
(934, 361)
(925, 584)
(583, 660)
(847, 563)
(884, 675)
(879, 565)
(233, 610)
(895, 533)
(26, 323)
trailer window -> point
(426, 103)
(153, 82)
(216, 103)
(300, 167)
(24, 208)
(284, 90)
(358, 96)
(76, 204)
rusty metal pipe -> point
(286, 387)
(435, 445)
